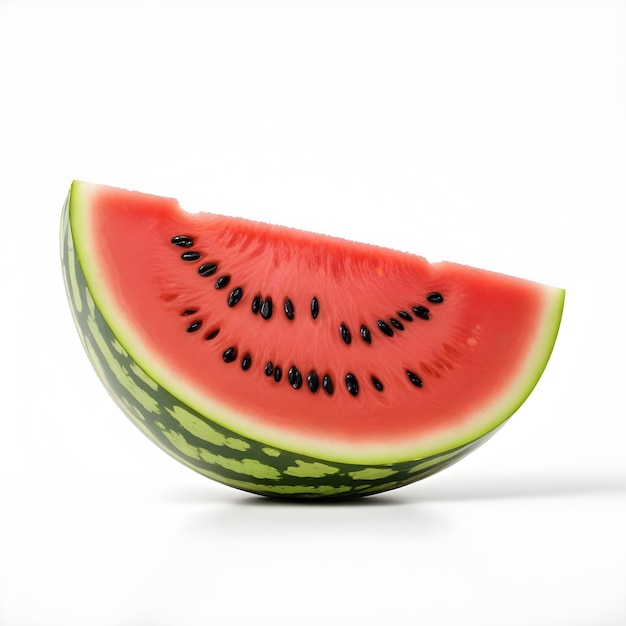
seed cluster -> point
(295, 378)
(389, 325)
(264, 306)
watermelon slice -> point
(287, 363)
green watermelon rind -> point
(205, 445)
(504, 404)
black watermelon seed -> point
(345, 333)
(207, 269)
(396, 323)
(422, 312)
(327, 384)
(235, 296)
(269, 368)
(435, 297)
(352, 384)
(289, 312)
(385, 328)
(222, 281)
(182, 240)
(278, 374)
(256, 304)
(414, 378)
(313, 381)
(190, 255)
(230, 354)
(294, 377)
(194, 326)
(213, 334)
(246, 362)
(405, 316)
(266, 309)
(315, 308)
(189, 311)
(366, 335)
(377, 384)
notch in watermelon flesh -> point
(287, 363)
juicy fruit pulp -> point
(288, 363)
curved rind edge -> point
(481, 426)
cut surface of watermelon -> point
(313, 346)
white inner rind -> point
(474, 426)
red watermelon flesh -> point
(453, 351)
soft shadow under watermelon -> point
(348, 519)
(522, 486)
(492, 488)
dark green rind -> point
(207, 447)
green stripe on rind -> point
(206, 446)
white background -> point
(489, 133)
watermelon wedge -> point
(287, 363)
